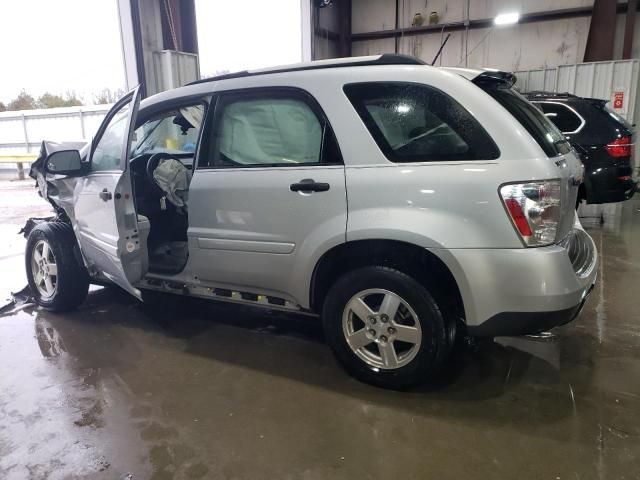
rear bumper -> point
(610, 183)
(525, 323)
(527, 290)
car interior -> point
(161, 169)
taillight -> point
(534, 208)
(620, 147)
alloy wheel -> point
(381, 328)
(44, 269)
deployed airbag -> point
(173, 178)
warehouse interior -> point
(220, 382)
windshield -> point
(544, 132)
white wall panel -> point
(594, 79)
(372, 15)
(373, 47)
(535, 45)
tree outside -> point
(106, 96)
(26, 101)
(23, 101)
(49, 100)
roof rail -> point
(543, 93)
(384, 59)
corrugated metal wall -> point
(23, 131)
(605, 80)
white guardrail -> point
(21, 132)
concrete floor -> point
(223, 392)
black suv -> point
(603, 138)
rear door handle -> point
(105, 195)
(309, 185)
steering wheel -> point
(153, 162)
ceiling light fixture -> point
(507, 18)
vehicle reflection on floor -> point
(199, 390)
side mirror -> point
(64, 162)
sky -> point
(59, 45)
(239, 35)
(74, 45)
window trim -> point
(213, 118)
(378, 136)
(573, 110)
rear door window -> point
(412, 122)
(565, 118)
(269, 128)
(543, 131)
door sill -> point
(221, 294)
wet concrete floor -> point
(116, 390)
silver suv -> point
(398, 202)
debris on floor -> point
(18, 299)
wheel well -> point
(417, 262)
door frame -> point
(126, 229)
(132, 96)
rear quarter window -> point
(412, 122)
(543, 131)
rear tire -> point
(403, 338)
(58, 281)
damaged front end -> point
(58, 189)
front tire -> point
(384, 327)
(58, 281)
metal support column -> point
(602, 31)
(629, 27)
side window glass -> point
(417, 123)
(108, 151)
(561, 116)
(175, 131)
(277, 129)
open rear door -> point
(104, 210)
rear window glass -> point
(550, 139)
(616, 117)
(602, 124)
(417, 123)
(561, 115)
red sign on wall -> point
(618, 100)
